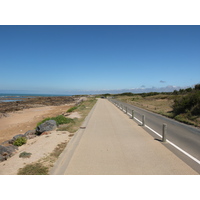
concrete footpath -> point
(113, 144)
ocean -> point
(20, 97)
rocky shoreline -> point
(7, 149)
(6, 107)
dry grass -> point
(83, 109)
(33, 169)
(42, 166)
(161, 104)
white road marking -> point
(184, 152)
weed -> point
(20, 141)
(184, 119)
(58, 150)
(33, 169)
(72, 109)
(24, 154)
(84, 108)
(60, 119)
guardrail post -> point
(164, 132)
(132, 114)
(126, 110)
(143, 120)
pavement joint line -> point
(181, 150)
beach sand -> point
(21, 121)
(40, 147)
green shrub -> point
(197, 87)
(24, 154)
(189, 102)
(20, 141)
(183, 118)
(60, 119)
(44, 120)
(72, 109)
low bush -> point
(25, 154)
(44, 120)
(60, 119)
(20, 141)
(189, 102)
(72, 109)
(33, 169)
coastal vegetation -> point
(72, 109)
(60, 119)
(83, 109)
(42, 166)
(33, 169)
(182, 105)
(20, 141)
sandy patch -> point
(74, 115)
(22, 121)
(39, 146)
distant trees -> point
(187, 90)
(189, 102)
(127, 94)
(197, 87)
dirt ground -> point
(21, 121)
(39, 147)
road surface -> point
(184, 136)
(110, 143)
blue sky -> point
(94, 59)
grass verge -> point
(33, 169)
(72, 109)
(83, 109)
(60, 119)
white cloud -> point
(168, 88)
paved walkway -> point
(112, 143)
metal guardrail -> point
(131, 113)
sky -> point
(98, 59)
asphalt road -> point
(183, 136)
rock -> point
(2, 158)
(46, 133)
(11, 141)
(4, 115)
(30, 134)
(66, 114)
(7, 107)
(46, 126)
(7, 142)
(6, 152)
(17, 136)
(2, 149)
